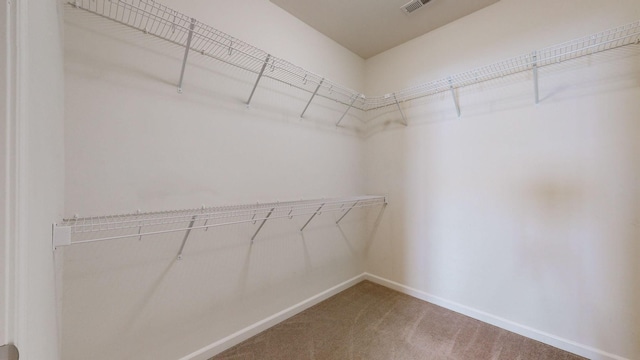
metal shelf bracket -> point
(349, 108)
(345, 214)
(186, 236)
(264, 66)
(404, 118)
(312, 96)
(311, 218)
(455, 98)
(186, 53)
(140, 227)
(262, 224)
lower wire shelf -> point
(137, 225)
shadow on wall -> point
(550, 245)
(369, 238)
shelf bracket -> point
(311, 218)
(455, 99)
(262, 224)
(349, 108)
(312, 96)
(345, 214)
(264, 66)
(404, 118)
(186, 236)
(61, 236)
(535, 76)
(186, 53)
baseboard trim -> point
(244, 334)
(555, 341)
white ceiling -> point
(369, 27)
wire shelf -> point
(158, 20)
(101, 228)
(607, 40)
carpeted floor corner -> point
(372, 322)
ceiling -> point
(369, 27)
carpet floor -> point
(369, 321)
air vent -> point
(413, 5)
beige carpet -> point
(369, 321)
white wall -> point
(526, 213)
(36, 141)
(132, 142)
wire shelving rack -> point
(137, 225)
(624, 35)
(165, 23)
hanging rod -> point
(137, 225)
(158, 20)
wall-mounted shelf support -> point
(455, 98)
(346, 111)
(534, 56)
(186, 236)
(139, 230)
(186, 53)
(404, 118)
(311, 99)
(262, 224)
(264, 66)
(345, 214)
(312, 216)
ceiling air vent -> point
(413, 5)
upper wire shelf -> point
(101, 228)
(155, 19)
(570, 50)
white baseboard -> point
(564, 344)
(242, 335)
